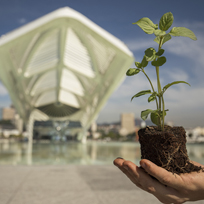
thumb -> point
(165, 177)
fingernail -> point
(143, 165)
(115, 163)
(119, 158)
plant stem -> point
(161, 99)
(159, 93)
(163, 114)
(160, 42)
(151, 86)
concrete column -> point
(82, 136)
(18, 123)
(30, 138)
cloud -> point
(134, 84)
(3, 91)
(187, 48)
(120, 101)
(22, 20)
(185, 104)
(185, 96)
(196, 26)
(140, 44)
(179, 75)
(4, 97)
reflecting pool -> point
(92, 153)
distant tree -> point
(5, 122)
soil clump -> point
(166, 148)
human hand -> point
(167, 187)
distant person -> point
(167, 187)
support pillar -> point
(30, 138)
(82, 136)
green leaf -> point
(159, 62)
(166, 21)
(145, 113)
(159, 32)
(155, 118)
(165, 38)
(160, 52)
(144, 62)
(141, 93)
(132, 71)
(146, 25)
(157, 39)
(150, 54)
(182, 31)
(138, 64)
(175, 82)
(152, 97)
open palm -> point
(167, 187)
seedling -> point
(157, 59)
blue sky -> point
(184, 56)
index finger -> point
(162, 175)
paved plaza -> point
(71, 184)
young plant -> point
(155, 57)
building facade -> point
(127, 122)
(8, 113)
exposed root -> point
(166, 149)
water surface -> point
(92, 153)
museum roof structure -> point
(62, 66)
